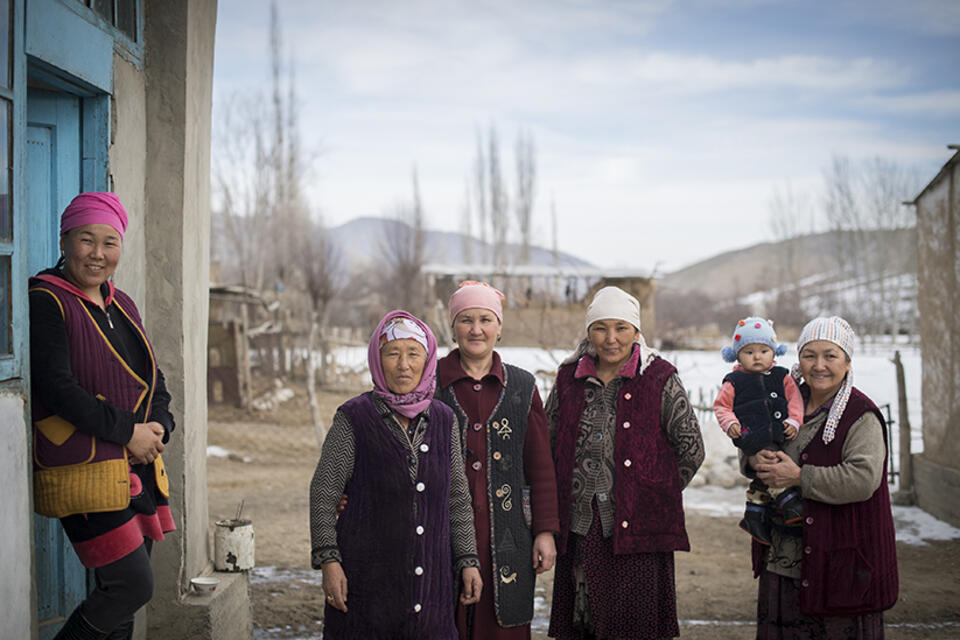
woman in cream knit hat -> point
(625, 444)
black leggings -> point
(123, 586)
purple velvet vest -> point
(98, 369)
(394, 536)
(647, 500)
(850, 557)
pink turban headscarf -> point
(94, 208)
(408, 404)
(476, 295)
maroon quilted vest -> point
(98, 369)
(647, 502)
(850, 557)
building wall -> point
(938, 225)
(16, 522)
(937, 469)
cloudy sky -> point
(662, 128)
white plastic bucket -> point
(233, 545)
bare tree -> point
(526, 183)
(498, 203)
(790, 216)
(480, 192)
(863, 205)
(402, 249)
(466, 227)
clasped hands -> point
(776, 469)
(146, 443)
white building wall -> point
(16, 521)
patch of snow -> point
(915, 526)
(213, 451)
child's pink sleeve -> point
(794, 401)
(723, 406)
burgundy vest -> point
(850, 557)
(647, 503)
(400, 577)
(98, 369)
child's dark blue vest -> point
(760, 405)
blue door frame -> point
(53, 175)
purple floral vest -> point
(647, 501)
(850, 556)
(98, 369)
(394, 536)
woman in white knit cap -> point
(625, 443)
(834, 576)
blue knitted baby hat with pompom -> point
(753, 331)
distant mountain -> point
(360, 241)
(741, 272)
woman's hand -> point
(472, 585)
(781, 473)
(146, 443)
(544, 552)
(761, 457)
(335, 585)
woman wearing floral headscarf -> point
(101, 418)
(391, 558)
(835, 578)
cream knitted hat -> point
(613, 303)
(838, 331)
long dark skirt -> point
(628, 597)
(779, 617)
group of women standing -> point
(459, 486)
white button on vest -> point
(418, 571)
(417, 607)
(624, 524)
(627, 396)
(421, 486)
(626, 425)
(627, 463)
(419, 530)
(424, 447)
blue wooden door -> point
(52, 179)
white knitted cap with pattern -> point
(838, 331)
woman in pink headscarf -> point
(392, 559)
(508, 463)
(101, 418)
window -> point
(121, 14)
(6, 177)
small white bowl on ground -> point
(204, 584)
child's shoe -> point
(756, 524)
(790, 504)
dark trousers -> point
(122, 588)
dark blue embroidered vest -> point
(760, 405)
(394, 536)
(508, 493)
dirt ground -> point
(271, 461)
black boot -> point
(756, 523)
(123, 632)
(77, 628)
(790, 504)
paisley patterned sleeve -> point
(463, 539)
(551, 409)
(682, 429)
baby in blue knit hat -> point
(759, 406)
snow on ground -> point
(213, 451)
(914, 525)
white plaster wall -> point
(939, 261)
(128, 172)
(16, 573)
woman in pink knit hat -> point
(508, 465)
(833, 576)
(101, 418)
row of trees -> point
(872, 279)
